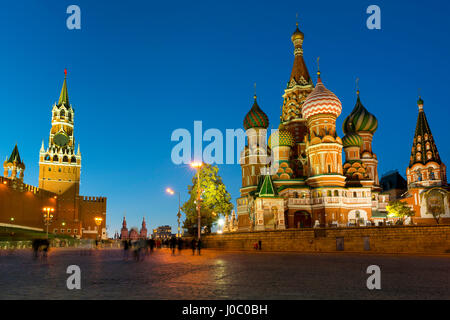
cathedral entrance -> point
(302, 219)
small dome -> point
(297, 34)
(281, 138)
(321, 100)
(352, 140)
(360, 120)
(256, 118)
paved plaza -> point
(222, 275)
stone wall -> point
(393, 239)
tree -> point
(215, 200)
(399, 209)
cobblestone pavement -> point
(222, 275)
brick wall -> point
(395, 239)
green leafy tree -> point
(399, 209)
(215, 200)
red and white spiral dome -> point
(321, 101)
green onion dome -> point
(360, 120)
(256, 118)
(281, 137)
(352, 140)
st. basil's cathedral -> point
(299, 179)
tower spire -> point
(318, 70)
(420, 153)
(64, 96)
(299, 74)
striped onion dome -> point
(360, 120)
(281, 137)
(256, 118)
(321, 101)
(352, 140)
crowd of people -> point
(142, 248)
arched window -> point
(328, 193)
(55, 158)
(295, 194)
(69, 116)
(355, 195)
(65, 159)
(62, 113)
(73, 160)
(336, 193)
(47, 157)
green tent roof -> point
(267, 189)
(15, 156)
(64, 96)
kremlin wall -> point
(22, 205)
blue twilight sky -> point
(137, 70)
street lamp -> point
(98, 221)
(48, 217)
(221, 223)
(197, 166)
(171, 192)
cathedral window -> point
(55, 158)
(73, 160)
(62, 113)
(47, 157)
(65, 159)
(328, 193)
(426, 136)
(431, 175)
(336, 193)
(428, 146)
(419, 138)
(419, 147)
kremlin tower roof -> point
(256, 118)
(321, 100)
(64, 96)
(15, 156)
(424, 148)
(360, 119)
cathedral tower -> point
(299, 86)
(254, 156)
(425, 166)
(363, 123)
(323, 146)
(60, 162)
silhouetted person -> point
(152, 245)
(126, 247)
(173, 244)
(199, 246)
(259, 244)
(180, 245)
(193, 246)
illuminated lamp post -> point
(48, 217)
(198, 165)
(98, 221)
(171, 192)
